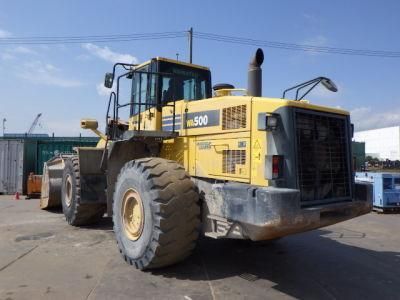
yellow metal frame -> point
(205, 160)
(203, 150)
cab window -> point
(143, 90)
(185, 83)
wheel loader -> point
(195, 159)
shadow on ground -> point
(309, 265)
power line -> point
(295, 47)
(112, 38)
(49, 40)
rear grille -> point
(231, 158)
(323, 158)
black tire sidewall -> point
(133, 179)
(69, 211)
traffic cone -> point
(16, 196)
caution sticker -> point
(257, 144)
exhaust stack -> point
(254, 84)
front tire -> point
(76, 213)
(155, 212)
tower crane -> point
(34, 123)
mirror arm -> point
(309, 90)
(125, 66)
(299, 86)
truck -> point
(194, 159)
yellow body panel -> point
(204, 151)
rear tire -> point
(77, 214)
(155, 212)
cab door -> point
(144, 113)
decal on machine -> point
(242, 144)
(201, 119)
(204, 145)
(167, 122)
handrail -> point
(117, 104)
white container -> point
(11, 166)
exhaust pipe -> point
(254, 83)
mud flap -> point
(92, 177)
(119, 153)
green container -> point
(46, 149)
(38, 150)
(358, 149)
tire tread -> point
(175, 210)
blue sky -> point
(63, 81)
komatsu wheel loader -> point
(227, 163)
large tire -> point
(168, 200)
(76, 213)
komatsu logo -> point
(202, 119)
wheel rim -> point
(132, 214)
(68, 190)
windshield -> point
(187, 83)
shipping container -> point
(33, 152)
(358, 150)
(46, 149)
(11, 166)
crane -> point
(34, 123)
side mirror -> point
(109, 80)
(329, 84)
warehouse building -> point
(383, 143)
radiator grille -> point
(231, 158)
(234, 117)
(322, 152)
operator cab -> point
(161, 81)
(157, 83)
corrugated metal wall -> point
(48, 149)
(11, 166)
(19, 157)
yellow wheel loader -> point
(218, 161)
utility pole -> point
(190, 44)
(4, 125)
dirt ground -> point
(41, 257)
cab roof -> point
(172, 61)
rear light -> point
(277, 166)
(268, 121)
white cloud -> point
(67, 127)
(365, 118)
(43, 73)
(4, 33)
(83, 57)
(102, 90)
(107, 54)
(23, 50)
(310, 17)
(318, 41)
(6, 56)
(11, 53)
(320, 92)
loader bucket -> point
(51, 183)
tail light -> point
(277, 166)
